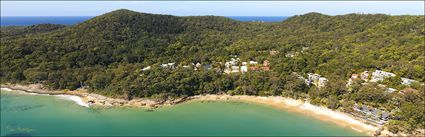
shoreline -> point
(302, 107)
(76, 99)
(85, 99)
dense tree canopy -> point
(106, 55)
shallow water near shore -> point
(47, 115)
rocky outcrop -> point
(96, 99)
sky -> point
(218, 8)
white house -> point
(289, 55)
(304, 49)
(168, 65)
(391, 90)
(244, 69)
(316, 80)
(351, 80)
(244, 63)
(253, 62)
(232, 62)
(379, 75)
(146, 68)
(235, 69)
(388, 89)
(197, 66)
(365, 76)
(313, 78)
(227, 70)
(232, 66)
(322, 82)
(354, 76)
(406, 81)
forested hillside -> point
(106, 54)
(12, 31)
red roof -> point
(408, 90)
(253, 68)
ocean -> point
(259, 18)
(41, 115)
(27, 21)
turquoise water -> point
(47, 115)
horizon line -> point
(360, 13)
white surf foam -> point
(16, 91)
(76, 99)
(6, 89)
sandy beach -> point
(299, 106)
(287, 104)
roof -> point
(253, 62)
(207, 66)
(364, 108)
(375, 111)
(254, 68)
(407, 90)
(391, 90)
(385, 115)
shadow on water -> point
(4, 98)
(21, 108)
(18, 135)
(94, 110)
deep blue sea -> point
(27, 21)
